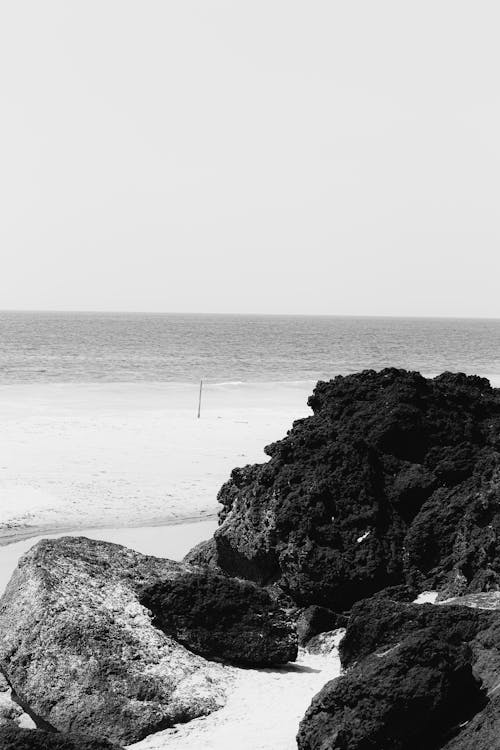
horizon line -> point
(247, 314)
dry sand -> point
(75, 455)
(263, 711)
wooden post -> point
(199, 400)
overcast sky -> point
(281, 156)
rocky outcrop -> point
(411, 697)
(204, 554)
(402, 660)
(314, 620)
(377, 626)
(482, 732)
(394, 481)
(83, 654)
(13, 738)
(223, 618)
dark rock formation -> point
(13, 738)
(81, 652)
(409, 698)
(395, 480)
(315, 619)
(223, 618)
(388, 650)
(482, 732)
(204, 554)
(378, 625)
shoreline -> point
(111, 455)
(34, 531)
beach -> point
(86, 451)
(131, 463)
(75, 455)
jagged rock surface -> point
(388, 652)
(481, 733)
(314, 620)
(81, 652)
(406, 699)
(204, 554)
(223, 618)
(394, 480)
(13, 738)
(376, 626)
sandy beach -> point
(114, 455)
(263, 711)
(132, 464)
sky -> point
(259, 156)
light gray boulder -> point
(82, 653)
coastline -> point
(171, 540)
(17, 535)
(108, 455)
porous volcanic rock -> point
(314, 619)
(13, 738)
(394, 480)
(223, 618)
(378, 629)
(378, 625)
(81, 652)
(204, 554)
(408, 698)
(482, 732)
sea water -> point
(157, 348)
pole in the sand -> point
(199, 400)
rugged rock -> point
(394, 481)
(4, 685)
(223, 618)
(376, 625)
(481, 733)
(204, 554)
(314, 619)
(13, 738)
(379, 628)
(408, 698)
(81, 651)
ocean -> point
(175, 348)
